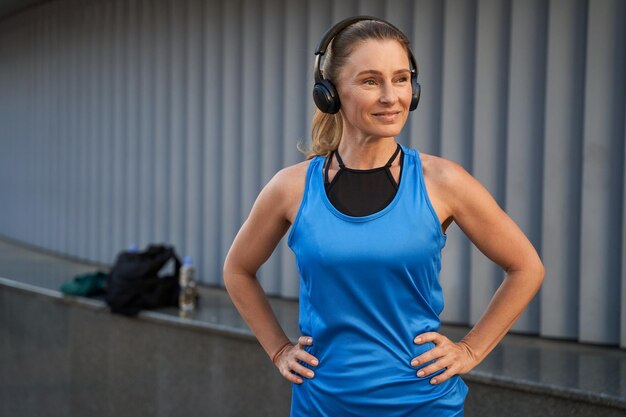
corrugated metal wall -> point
(145, 121)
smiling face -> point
(374, 87)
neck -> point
(366, 153)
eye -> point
(369, 81)
(403, 79)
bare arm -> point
(498, 237)
(252, 246)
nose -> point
(388, 94)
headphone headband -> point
(334, 31)
(324, 92)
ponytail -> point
(326, 132)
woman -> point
(368, 218)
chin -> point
(387, 131)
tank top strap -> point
(330, 160)
(339, 160)
(341, 164)
(398, 149)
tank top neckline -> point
(343, 166)
(357, 219)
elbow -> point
(230, 280)
(227, 273)
(538, 272)
(532, 271)
(233, 275)
(229, 277)
(542, 271)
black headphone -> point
(324, 92)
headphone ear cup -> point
(416, 90)
(325, 97)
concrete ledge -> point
(61, 357)
(496, 399)
(526, 388)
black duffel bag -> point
(134, 283)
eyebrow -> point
(374, 72)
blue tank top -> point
(368, 286)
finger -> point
(429, 355)
(434, 367)
(291, 377)
(425, 371)
(426, 337)
(306, 372)
(307, 357)
(444, 376)
(305, 340)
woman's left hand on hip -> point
(456, 358)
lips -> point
(386, 113)
(387, 116)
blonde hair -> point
(326, 129)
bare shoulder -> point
(288, 186)
(290, 180)
(454, 189)
(442, 172)
(445, 180)
(292, 175)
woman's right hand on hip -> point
(287, 359)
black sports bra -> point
(361, 192)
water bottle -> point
(188, 291)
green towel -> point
(86, 284)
